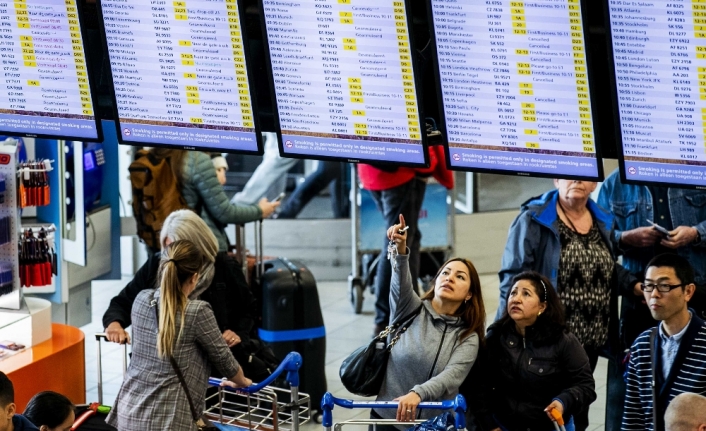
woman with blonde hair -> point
(171, 331)
(221, 284)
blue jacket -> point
(533, 244)
(632, 207)
(21, 423)
(686, 375)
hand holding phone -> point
(279, 197)
(659, 228)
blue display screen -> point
(88, 161)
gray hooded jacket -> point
(429, 358)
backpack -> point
(155, 195)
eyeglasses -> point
(662, 287)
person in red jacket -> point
(400, 190)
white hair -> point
(187, 225)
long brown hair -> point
(472, 311)
(180, 261)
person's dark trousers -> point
(340, 191)
(312, 185)
(581, 417)
(405, 199)
(615, 396)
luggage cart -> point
(262, 407)
(458, 405)
(436, 222)
(557, 420)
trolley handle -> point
(291, 364)
(458, 405)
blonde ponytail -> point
(180, 261)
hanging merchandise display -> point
(33, 189)
(37, 257)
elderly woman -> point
(434, 355)
(566, 237)
(534, 365)
(221, 284)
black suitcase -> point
(292, 321)
(94, 423)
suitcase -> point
(292, 321)
(96, 421)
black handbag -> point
(363, 371)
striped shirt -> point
(688, 374)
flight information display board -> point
(180, 74)
(514, 87)
(659, 54)
(344, 82)
(44, 86)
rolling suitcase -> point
(91, 417)
(292, 321)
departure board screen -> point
(180, 74)
(659, 53)
(514, 87)
(44, 87)
(344, 80)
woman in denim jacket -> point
(637, 241)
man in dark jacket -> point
(666, 360)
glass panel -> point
(506, 192)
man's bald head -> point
(686, 412)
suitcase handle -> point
(458, 405)
(103, 336)
(291, 364)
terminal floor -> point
(345, 331)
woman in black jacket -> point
(534, 365)
(222, 284)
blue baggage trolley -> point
(457, 405)
(262, 406)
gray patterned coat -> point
(151, 397)
(201, 189)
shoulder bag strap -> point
(404, 325)
(177, 370)
(653, 334)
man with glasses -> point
(682, 214)
(668, 359)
